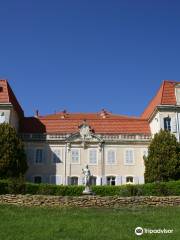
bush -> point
(17, 185)
(149, 189)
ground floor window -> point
(37, 179)
(129, 179)
(74, 180)
(111, 180)
(93, 180)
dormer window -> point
(167, 123)
(2, 117)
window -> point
(2, 117)
(93, 156)
(37, 179)
(111, 180)
(129, 157)
(92, 180)
(39, 156)
(74, 180)
(167, 123)
(56, 156)
(55, 179)
(111, 157)
(75, 156)
(129, 180)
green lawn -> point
(22, 223)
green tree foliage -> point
(163, 160)
(12, 155)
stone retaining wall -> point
(89, 201)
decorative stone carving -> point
(87, 175)
(85, 131)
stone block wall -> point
(89, 201)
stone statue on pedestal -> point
(87, 175)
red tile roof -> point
(164, 96)
(7, 96)
(113, 124)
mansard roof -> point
(164, 96)
(65, 123)
(7, 97)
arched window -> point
(74, 180)
(129, 180)
(111, 180)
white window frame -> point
(169, 124)
(74, 176)
(110, 149)
(38, 163)
(111, 175)
(130, 176)
(129, 164)
(77, 149)
(89, 150)
(52, 155)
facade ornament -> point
(85, 131)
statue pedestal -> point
(87, 191)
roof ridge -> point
(163, 84)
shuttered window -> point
(93, 156)
(75, 156)
(129, 157)
(111, 157)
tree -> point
(163, 160)
(12, 155)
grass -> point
(36, 223)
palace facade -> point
(59, 145)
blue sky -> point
(84, 55)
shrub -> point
(149, 189)
(17, 185)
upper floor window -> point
(39, 156)
(56, 156)
(111, 157)
(75, 155)
(92, 156)
(2, 117)
(129, 157)
(167, 123)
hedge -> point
(150, 189)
